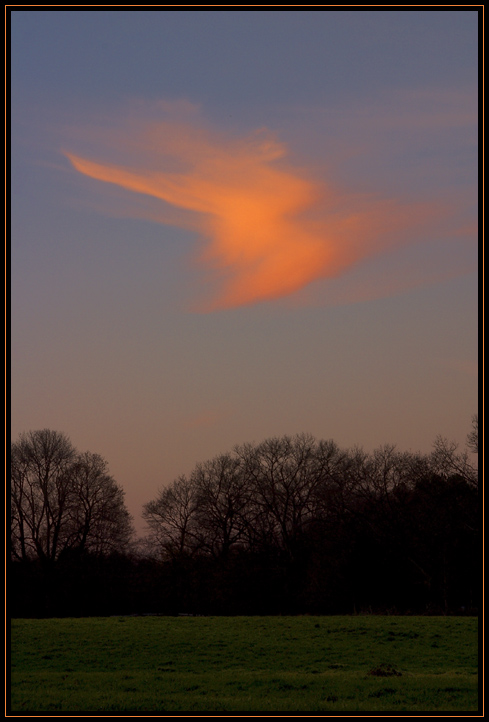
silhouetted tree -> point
(41, 494)
(447, 461)
(473, 435)
(283, 475)
(101, 523)
(223, 497)
(289, 525)
(62, 500)
(172, 519)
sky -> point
(231, 225)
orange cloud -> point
(270, 228)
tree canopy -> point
(288, 525)
(62, 500)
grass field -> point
(244, 664)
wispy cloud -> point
(271, 227)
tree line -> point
(289, 525)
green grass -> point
(244, 664)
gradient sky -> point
(237, 224)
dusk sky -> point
(229, 225)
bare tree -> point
(172, 519)
(100, 521)
(473, 435)
(41, 493)
(62, 500)
(447, 461)
(283, 474)
(222, 501)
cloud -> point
(270, 226)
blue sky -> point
(372, 113)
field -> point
(244, 664)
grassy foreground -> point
(244, 664)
